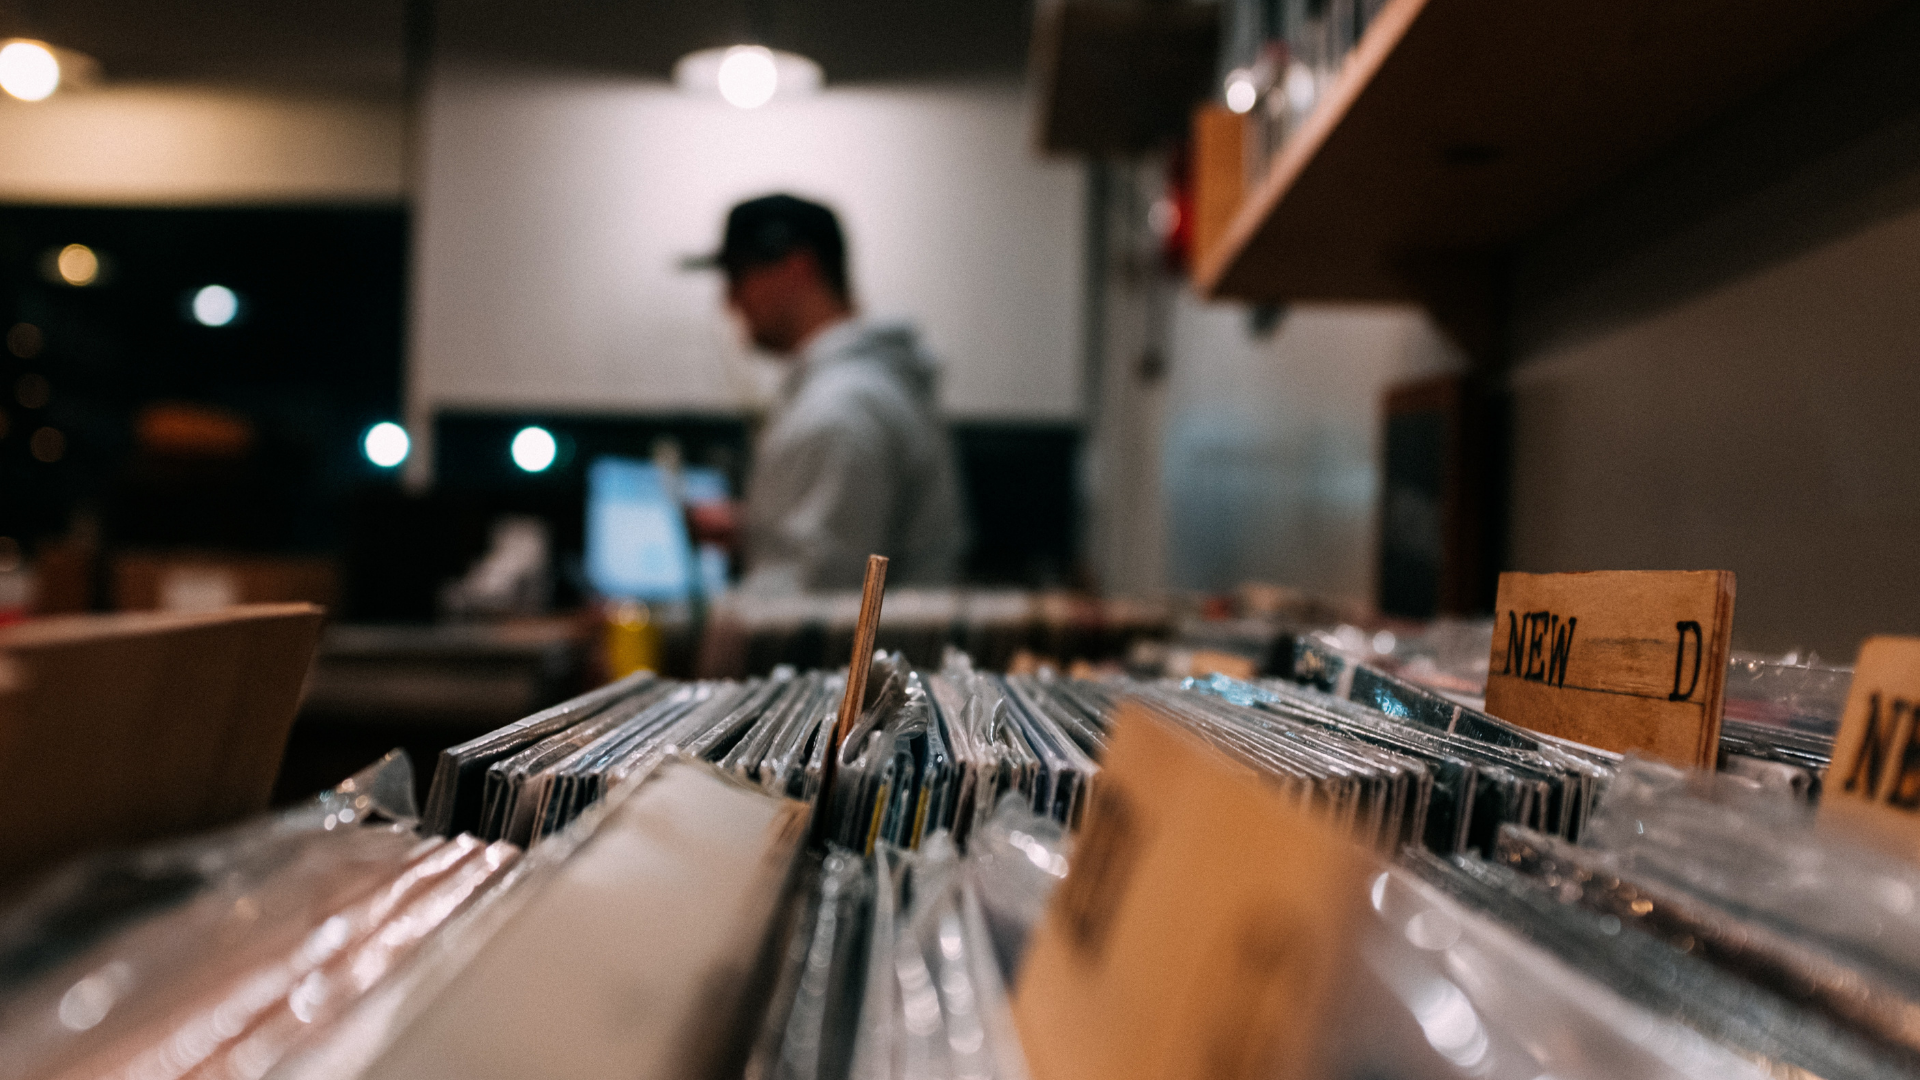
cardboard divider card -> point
(1874, 781)
(1624, 660)
(141, 725)
(1203, 927)
(648, 952)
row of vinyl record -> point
(658, 878)
(936, 751)
(751, 634)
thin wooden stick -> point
(850, 702)
(863, 634)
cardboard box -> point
(131, 727)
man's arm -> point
(832, 488)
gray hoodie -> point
(854, 461)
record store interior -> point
(867, 540)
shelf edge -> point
(1382, 37)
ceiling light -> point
(1241, 93)
(747, 76)
(34, 70)
(28, 70)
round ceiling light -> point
(1241, 93)
(28, 70)
(747, 76)
(34, 70)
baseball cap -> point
(771, 227)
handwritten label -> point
(1202, 928)
(1627, 660)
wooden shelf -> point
(1457, 126)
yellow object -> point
(632, 641)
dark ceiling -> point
(360, 45)
(854, 40)
(341, 45)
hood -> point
(890, 343)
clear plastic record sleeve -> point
(220, 956)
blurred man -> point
(854, 460)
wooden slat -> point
(1219, 174)
(1458, 125)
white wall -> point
(1255, 456)
(1271, 466)
(553, 212)
(152, 145)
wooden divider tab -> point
(1625, 660)
(1876, 757)
(1872, 789)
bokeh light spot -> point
(534, 449)
(387, 444)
